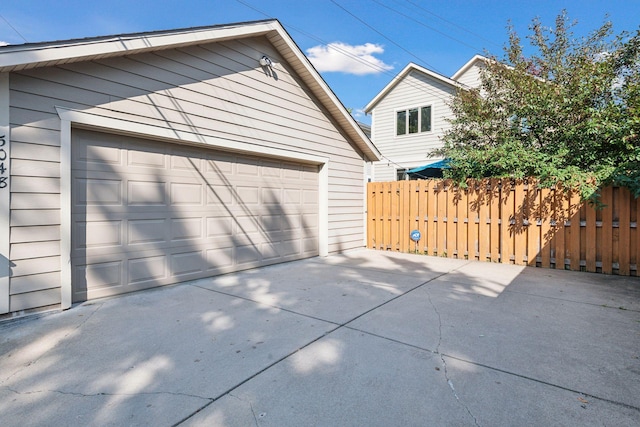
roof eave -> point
(292, 53)
(401, 75)
(26, 56)
(34, 55)
(468, 65)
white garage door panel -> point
(146, 214)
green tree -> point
(567, 113)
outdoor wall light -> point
(267, 67)
(265, 61)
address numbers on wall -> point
(4, 163)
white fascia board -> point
(324, 93)
(468, 65)
(45, 54)
(401, 75)
(387, 88)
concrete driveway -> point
(362, 339)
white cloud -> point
(342, 57)
(357, 113)
(3, 43)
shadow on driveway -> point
(363, 338)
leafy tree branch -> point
(569, 113)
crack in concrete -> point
(253, 412)
(33, 362)
(436, 351)
(493, 368)
(444, 362)
(327, 333)
(547, 383)
(79, 394)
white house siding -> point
(471, 76)
(216, 90)
(415, 90)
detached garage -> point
(136, 161)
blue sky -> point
(439, 35)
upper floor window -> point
(413, 120)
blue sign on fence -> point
(415, 235)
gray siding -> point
(215, 90)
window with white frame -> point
(413, 120)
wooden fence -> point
(501, 220)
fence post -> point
(518, 227)
(532, 229)
(484, 219)
(423, 196)
(463, 224)
(624, 231)
(590, 238)
(574, 230)
(371, 222)
(431, 214)
(607, 231)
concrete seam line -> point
(339, 326)
(382, 270)
(268, 305)
(417, 347)
(402, 294)
(325, 320)
(604, 399)
(230, 390)
(621, 308)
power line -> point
(381, 34)
(357, 58)
(452, 23)
(424, 25)
(319, 40)
(14, 29)
(424, 89)
(375, 67)
(255, 9)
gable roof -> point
(35, 55)
(468, 65)
(405, 72)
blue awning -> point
(440, 164)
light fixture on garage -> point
(265, 61)
(267, 67)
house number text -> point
(4, 172)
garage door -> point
(147, 214)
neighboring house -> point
(365, 128)
(469, 74)
(409, 116)
(141, 160)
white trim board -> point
(34, 55)
(5, 194)
(73, 118)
